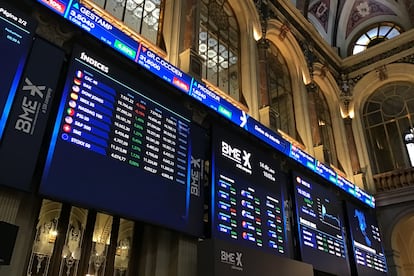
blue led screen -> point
(119, 145)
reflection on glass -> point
(44, 242)
(123, 248)
(100, 242)
(218, 46)
(141, 16)
(71, 252)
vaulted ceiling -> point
(341, 22)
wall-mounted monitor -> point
(16, 35)
(122, 143)
(366, 242)
(21, 144)
(248, 193)
(321, 228)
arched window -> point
(325, 131)
(219, 46)
(387, 116)
(142, 16)
(280, 94)
(374, 35)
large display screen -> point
(366, 241)
(248, 197)
(321, 227)
(100, 27)
(119, 145)
(16, 34)
(29, 116)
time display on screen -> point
(321, 227)
(119, 145)
(366, 241)
(248, 197)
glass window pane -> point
(396, 145)
(100, 3)
(123, 248)
(44, 242)
(372, 106)
(410, 105)
(374, 118)
(363, 40)
(133, 16)
(115, 8)
(381, 151)
(383, 30)
(404, 125)
(71, 252)
(221, 66)
(393, 33)
(373, 33)
(100, 242)
(141, 16)
(358, 49)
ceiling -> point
(341, 22)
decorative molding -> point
(382, 56)
(364, 10)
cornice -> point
(398, 49)
(398, 196)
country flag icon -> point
(77, 81)
(74, 96)
(70, 111)
(75, 88)
(72, 104)
(68, 120)
(79, 74)
(66, 128)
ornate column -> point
(190, 61)
(263, 47)
(313, 117)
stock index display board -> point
(118, 146)
(321, 227)
(248, 194)
(366, 243)
(16, 35)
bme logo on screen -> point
(35, 100)
(241, 157)
(234, 259)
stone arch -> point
(327, 83)
(402, 241)
(250, 31)
(363, 89)
(396, 223)
(299, 73)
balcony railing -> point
(393, 180)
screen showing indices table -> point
(248, 194)
(116, 148)
(321, 226)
